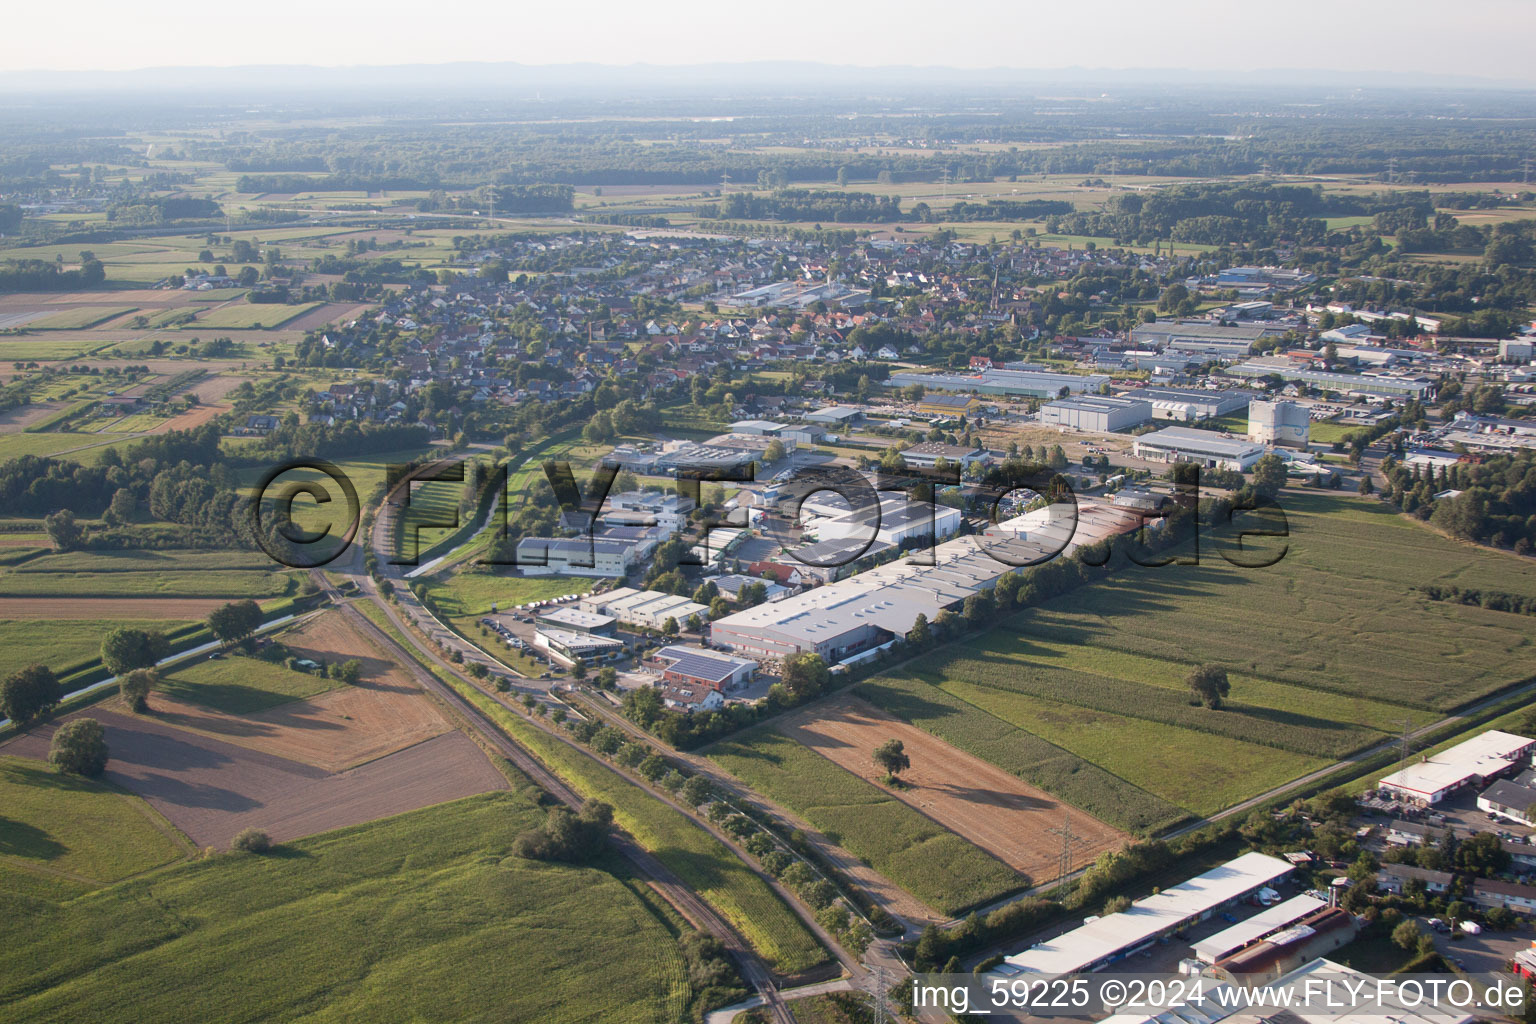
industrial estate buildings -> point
(1201, 447)
(1471, 763)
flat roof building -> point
(1098, 943)
(569, 647)
(1470, 763)
(1192, 404)
(648, 609)
(1388, 385)
(1022, 383)
(1202, 447)
(1261, 925)
(576, 556)
(1301, 1007)
(575, 620)
(1102, 413)
(928, 453)
(853, 615)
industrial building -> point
(1260, 926)
(1202, 337)
(1302, 1007)
(1285, 424)
(1017, 383)
(840, 416)
(647, 609)
(1386, 385)
(928, 453)
(574, 620)
(896, 520)
(1192, 405)
(1470, 763)
(694, 667)
(949, 405)
(1104, 940)
(854, 615)
(576, 556)
(569, 647)
(1103, 413)
(1202, 447)
(643, 508)
(1315, 935)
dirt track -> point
(108, 608)
(992, 808)
(211, 790)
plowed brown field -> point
(990, 807)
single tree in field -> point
(65, 533)
(135, 687)
(892, 756)
(1209, 682)
(579, 669)
(28, 694)
(252, 840)
(79, 747)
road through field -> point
(668, 885)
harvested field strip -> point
(211, 790)
(1061, 773)
(206, 583)
(378, 923)
(163, 560)
(1197, 771)
(997, 811)
(939, 868)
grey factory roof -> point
(891, 596)
(1204, 441)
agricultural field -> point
(1100, 673)
(380, 922)
(335, 728)
(938, 867)
(696, 857)
(233, 584)
(253, 315)
(1065, 775)
(79, 317)
(60, 642)
(1349, 620)
(241, 686)
(76, 832)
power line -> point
(1065, 831)
(876, 982)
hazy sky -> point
(1490, 38)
